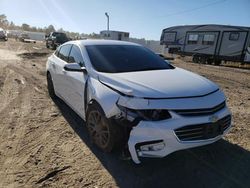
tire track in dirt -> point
(29, 146)
(24, 106)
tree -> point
(12, 25)
(94, 35)
(50, 29)
(25, 27)
(61, 30)
(33, 29)
(3, 21)
(39, 29)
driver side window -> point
(75, 56)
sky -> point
(141, 18)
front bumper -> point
(160, 135)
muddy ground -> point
(43, 143)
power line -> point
(140, 20)
(194, 9)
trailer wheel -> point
(209, 61)
(217, 62)
(203, 60)
(195, 59)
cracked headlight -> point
(148, 114)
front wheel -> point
(104, 134)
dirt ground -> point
(43, 143)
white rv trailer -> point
(209, 43)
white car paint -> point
(172, 89)
(164, 83)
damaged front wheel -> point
(102, 131)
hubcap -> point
(98, 129)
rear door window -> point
(64, 52)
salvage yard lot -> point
(43, 143)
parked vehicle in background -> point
(54, 39)
(128, 94)
(209, 43)
(23, 36)
(114, 35)
(3, 35)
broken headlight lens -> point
(148, 115)
(154, 115)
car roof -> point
(89, 42)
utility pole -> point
(106, 14)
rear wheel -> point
(53, 47)
(50, 86)
(105, 134)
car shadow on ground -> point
(221, 164)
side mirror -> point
(74, 67)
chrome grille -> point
(203, 131)
(202, 111)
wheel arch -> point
(103, 96)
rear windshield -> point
(59, 35)
(124, 58)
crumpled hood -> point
(168, 83)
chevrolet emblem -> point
(213, 118)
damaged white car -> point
(130, 96)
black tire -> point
(217, 62)
(53, 46)
(209, 61)
(104, 133)
(195, 59)
(203, 60)
(50, 86)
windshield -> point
(124, 58)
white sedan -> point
(130, 97)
